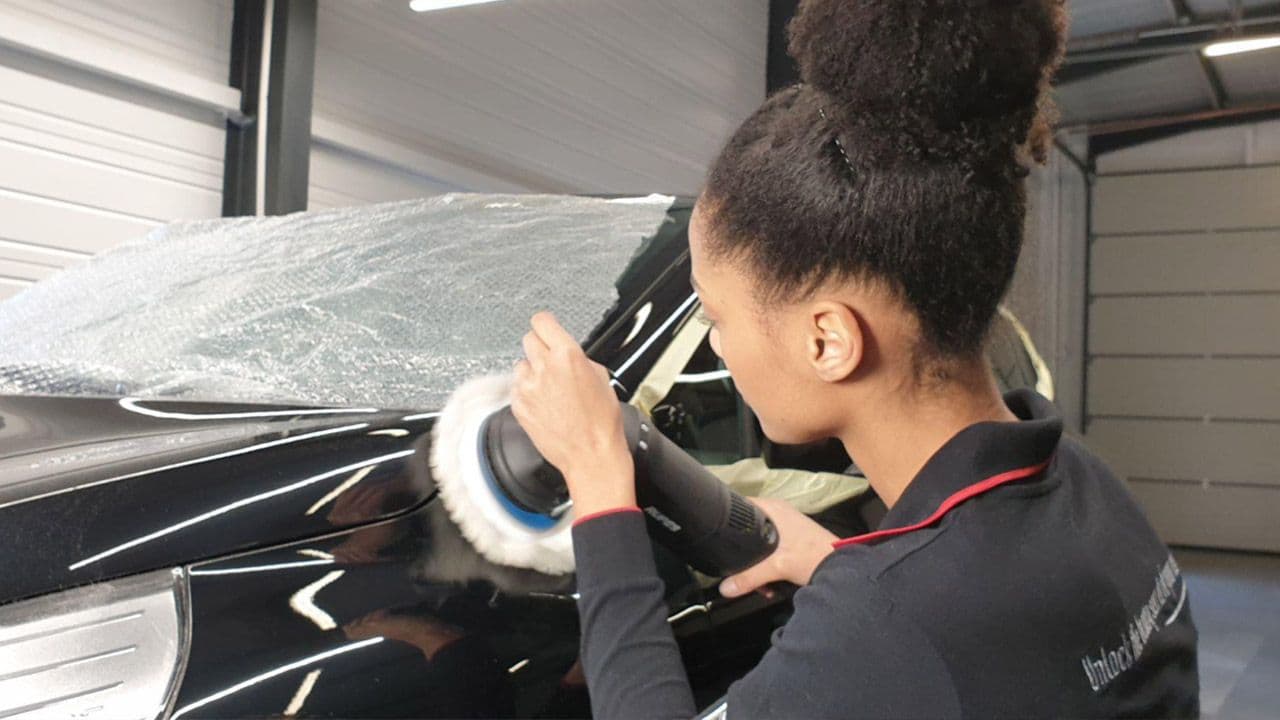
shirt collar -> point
(978, 452)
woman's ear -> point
(834, 340)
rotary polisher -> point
(514, 506)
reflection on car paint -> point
(187, 463)
(642, 316)
(201, 489)
(679, 314)
(366, 465)
(134, 405)
(274, 672)
(463, 637)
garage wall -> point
(1184, 336)
(1049, 286)
(108, 124)
(592, 96)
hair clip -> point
(839, 145)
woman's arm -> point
(631, 659)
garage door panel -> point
(1205, 200)
(1173, 388)
(78, 106)
(197, 171)
(1227, 517)
(62, 227)
(1224, 452)
(9, 288)
(19, 270)
(1213, 262)
(78, 181)
(35, 254)
(1233, 325)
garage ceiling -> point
(604, 96)
(1133, 59)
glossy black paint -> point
(404, 619)
(98, 488)
(325, 578)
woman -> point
(850, 248)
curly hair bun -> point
(952, 79)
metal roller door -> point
(1183, 383)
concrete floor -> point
(1235, 601)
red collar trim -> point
(948, 505)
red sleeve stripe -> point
(603, 513)
(948, 505)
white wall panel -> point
(108, 124)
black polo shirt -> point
(1015, 577)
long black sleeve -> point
(631, 660)
(844, 653)
(1046, 594)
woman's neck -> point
(895, 436)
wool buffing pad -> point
(498, 529)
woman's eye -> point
(702, 318)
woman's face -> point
(754, 343)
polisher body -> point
(687, 509)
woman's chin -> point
(788, 435)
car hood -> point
(95, 488)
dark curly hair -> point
(900, 160)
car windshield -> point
(390, 305)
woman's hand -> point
(802, 545)
(564, 402)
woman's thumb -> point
(746, 581)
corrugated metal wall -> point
(88, 160)
(1184, 339)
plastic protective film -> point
(389, 305)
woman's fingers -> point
(534, 349)
(552, 333)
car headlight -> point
(109, 650)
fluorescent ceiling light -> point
(1232, 47)
(426, 5)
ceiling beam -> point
(1097, 54)
(1217, 90)
(1182, 14)
(1118, 134)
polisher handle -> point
(689, 510)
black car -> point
(214, 482)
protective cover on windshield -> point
(390, 305)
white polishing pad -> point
(470, 496)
